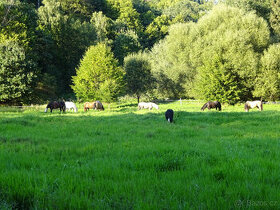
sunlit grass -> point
(123, 158)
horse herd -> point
(97, 105)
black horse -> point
(169, 115)
(55, 105)
(211, 105)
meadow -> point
(123, 158)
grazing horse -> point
(169, 115)
(55, 105)
(89, 105)
(211, 105)
(97, 105)
(144, 105)
(70, 105)
(252, 104)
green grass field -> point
(127, 159)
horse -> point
(70, 105)
(97, 105)
(89, 105)
(252, 104)
(55, 105)
(144, 105)
(211, 105)
(169, 115)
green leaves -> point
(268, 80)
(98, 76)
(138, 74)
(16, 72)
(216, 58)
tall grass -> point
(123, 158)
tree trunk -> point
(138, 98)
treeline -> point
(213, 50)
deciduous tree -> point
(98, 75)
(138, 75)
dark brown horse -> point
(211, 105)
(97, 105)
(55, 105)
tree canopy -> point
(98, 72)
(195, 48)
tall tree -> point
(138, 75)
(237, 38)
(268, 80)
(171, 62)
(275, 17)
(16, 73)
(126, 42)
(98, 76)
(70, 36)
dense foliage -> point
(16, 74)
(138, 75)
(98, 76)
(212, 50)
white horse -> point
(252, 104)
(144, 105)
(70, 105)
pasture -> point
(123, 158)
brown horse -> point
(211, 105)
(97, 105)
(89, 105)
(56, 105)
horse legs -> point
(51, 109)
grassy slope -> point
(129, 159)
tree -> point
(216, 81)
(70, 38)
(157, 30)
(125, 43)
(237, 38)
(171, 62)
(275, 17)
(138, 75)
(16, 73)
(101, 24)
(268, 80)
(98, 75)
(183, 10)
(261, 7)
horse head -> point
(246, 107)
